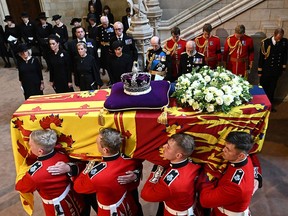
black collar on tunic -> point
(112, 157)
(180, 164)
(240, 164)
(47, 156)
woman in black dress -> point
(12, 36)
(60, 67)
(30, 73)
(87, 70)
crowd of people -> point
(110, 186)
(176, 57)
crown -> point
(136, 83)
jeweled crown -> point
(136, 83)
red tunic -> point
(238, 54)
(210, 48)
(175, 187)
(233, 191)
(50, 186)
(102, 179)
(174, 49)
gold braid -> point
(150, 61)
(173, 49)
(199, 45)
(232, 48)
(267, 53)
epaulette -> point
(238, 176)
(150, 48)
(183, 53)
(99, 25)
(262, 41)
(201, 54)
(171, 176)
(230, 36)
(96, 169)
(199, 37)
(215, 36)
(35, 167)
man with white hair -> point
(105, 32)
(128, 43)
(190, 59)
(158, 63)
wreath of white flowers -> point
(210, 91)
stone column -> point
(142, 32)
(154, 14)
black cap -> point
(117, 44)
(24, 14)
(56, 17)
(22, 47)
(42, 15)
(8, 18)
(75, 20)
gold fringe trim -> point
(265, 53)
(163, 119)
(203, 46)
(101, 119)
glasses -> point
(118, 29)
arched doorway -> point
(16, 7)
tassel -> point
(163, 119)
(101, 119)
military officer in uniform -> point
(272, 62)
(175, 186)
(238, 53)
(105, 32)
(190, 59)
(232, 193)
(209, 46)
(174, 47)
(158, 63)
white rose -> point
(227, 99)
(208, 97)
(207, 79)
(219, 100)
(210, 108)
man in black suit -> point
(128, 42)
(126, 20)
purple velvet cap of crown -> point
(136, 83)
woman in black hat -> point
(12, 36)
(76, 22)
(60, 29)
(119, 63)
(44, 30)
(60, 67)
(30, 73)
